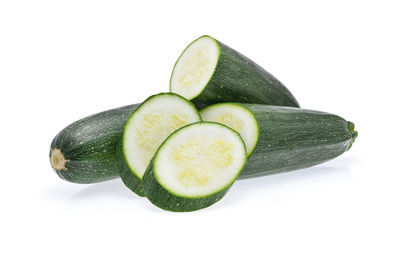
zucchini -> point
(194, 167)
(210, 72)
(85, 151)
(148, 126)
(288, 138)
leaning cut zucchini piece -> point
(194, 167)
(153, 121)
(288, 138)
(209, 72)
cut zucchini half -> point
(194, 167)
(295, 138)
(209, 72)
(287, 138)
(195, 67)
(152, 122)
(237, 117)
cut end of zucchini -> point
(195, 67)
(57, 159)
(199, 160)
(150, 124)
(237, 117)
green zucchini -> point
(286, 138)
(194, 167)
(209, 72)
(85, 151)
(148, 126)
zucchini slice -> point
(194, 167)
(85, 151)
(288, 138)
(153, 121)
(209, 72)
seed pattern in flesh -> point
(197, 162)
(195, 65)
(228, 120)
(157, 127)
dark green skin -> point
(130, 180)
(294, 138)
(239, 79)
(166, 200)
(89, 145)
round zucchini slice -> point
(153, 121)
(194, 167)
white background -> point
(63, 60)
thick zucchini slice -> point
(209, 72)
(85, 151)
(153, 121)
(288, 138)
(194, 167)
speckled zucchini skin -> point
(89, 146)
(130, 180)
(238, 79)
(166, 200)
(294, 138)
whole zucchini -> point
(85, 151)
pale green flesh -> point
(200, 160)
(151, 124)
(195, 67)
(237, 118)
